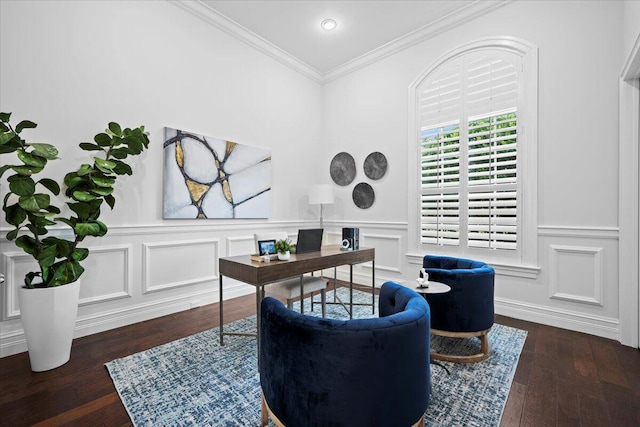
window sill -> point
(501, 268)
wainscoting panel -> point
(174, 264)
(388, 250)
(576, 274)
(240, 245)
(108, 274)
(16, 266)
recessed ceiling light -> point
(329, 24)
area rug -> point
(196, 382)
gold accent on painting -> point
(227, 191)
(230, 146)
(179, 155)
(196, 189)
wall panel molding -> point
(591, 258)
(585, 232)
(153, 263)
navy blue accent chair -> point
(465, 311)
(361, 372)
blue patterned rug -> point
(196, 382)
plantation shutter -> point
(468, 122)
(439, 106)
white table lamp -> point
(321, 194)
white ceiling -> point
(290, 30)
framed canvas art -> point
(206, 177)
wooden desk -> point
(259, 274)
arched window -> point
(473, 149)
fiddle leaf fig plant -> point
(28, 208)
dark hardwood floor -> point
(563, 378)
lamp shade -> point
(321, 194)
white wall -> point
(580, 57)
(74, 66)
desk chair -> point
(290, 288)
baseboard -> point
(15, 342)
(605, 327)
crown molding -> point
(218, 20)
(215, 18)
(460, 16)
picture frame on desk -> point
(266, 247)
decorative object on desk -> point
(350, 239)
(284, 248)
(321, 194)
(207, 177)
(267, 247)
(204, 383)
(343, 169)
(375, 165)
(363, 195)
(48, 312)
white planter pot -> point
(285, 256)
(48, 318)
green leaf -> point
(104, 191)
(103, 181)
(47, 256)
(121, 153)
(50, 185)
(32, 159)
(65, 271)
(102, 139)
(70, 222)
(115, 128)
(6, 137)
(22, 185)
(34, 202)
(47, 151)
(84, 169)
(111, 201)
(65, 247)
(26, 170)
(52, 209)
(81, 209)
(122, 168)
(5, 117)
(87, 229)
(25, 124)
(134, 144)
(87, 146)
(14, 214)
(80, 254)
(4, 168)
(12, 234)
(72, 179)
(28, 244)
(83, 196)
(105, 166)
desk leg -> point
(350, 291)
(221, 315)
(335, 284)
(373, 286)
(302, 297)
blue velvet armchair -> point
(465, 311)
(360, 372)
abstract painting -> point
(207, 177)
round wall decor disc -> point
(375, 165)
(363, 195)
(342, 169)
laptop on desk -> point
(309, 240)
